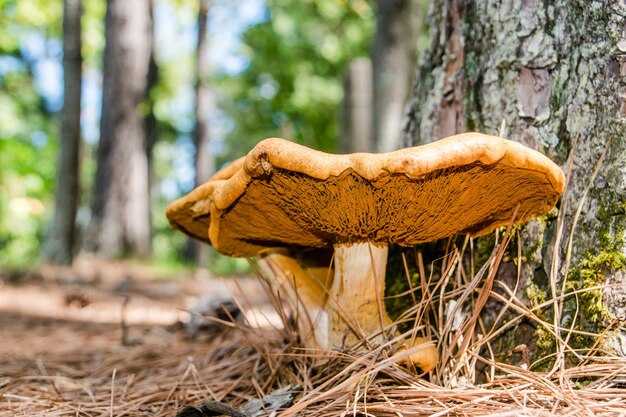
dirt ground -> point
(66, 325)
(108, 339)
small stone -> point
(600, 182)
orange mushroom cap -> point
(285, 194)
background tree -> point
(357, 130)
(204, 160)
(150, 119)
(120, 219)
(394, 59)
(60, 240)
(551, 75)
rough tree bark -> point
(120, 223)
(554, 74)
(59, 247)
(394, 58)
(203, 159)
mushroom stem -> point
(351, 309)
(357, 300)
(302, 292)
(357, 292)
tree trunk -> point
(357, 127)
(204, 160)
(120, 222)
(394, 61)
(204, 100)
(59, 246)
(553, 74)
(150, 117)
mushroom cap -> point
(191, 213)
(285, 194)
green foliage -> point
(17, 18)
(221, 265)
(292, 87)
(26, 178)
(28, 135)
(92, 32)
(27, 173)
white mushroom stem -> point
(357, 300)
(358, 308)
(350, 309)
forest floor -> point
(108, 339)
(63, 331)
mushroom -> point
(302, 276)
(284, 195)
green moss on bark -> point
(584, 303)
(590, 276)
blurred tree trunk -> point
(120, 223)
(204, 160)
(59, 247)
(554, 75)
(150, 118)
(394, 59)
(357, 127)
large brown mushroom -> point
(283, 195)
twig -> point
(123, 323)
(112, 392)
